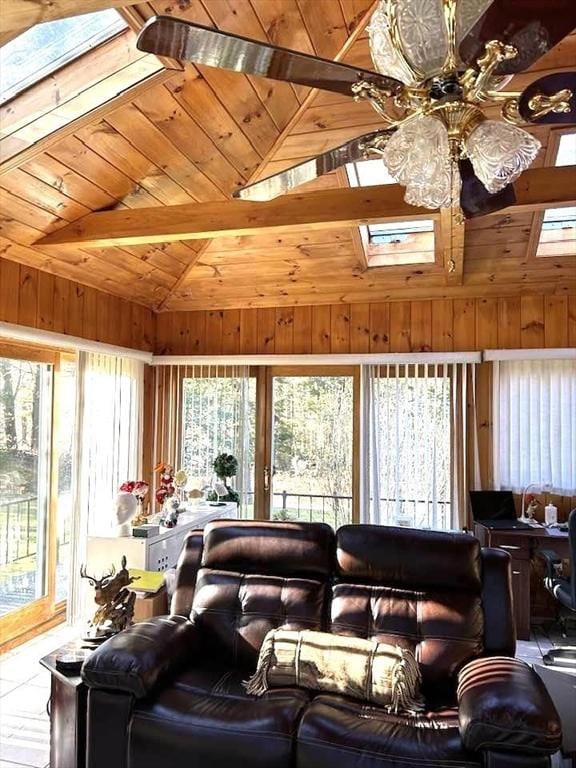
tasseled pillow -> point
(381, 674)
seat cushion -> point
(206, 718)
(339, 733)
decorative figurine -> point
(138, 489)
(170, 512)
(115, 602)
(125, 508)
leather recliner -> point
(168, 692)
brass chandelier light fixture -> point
(438, 113)
(441, 66)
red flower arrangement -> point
(137, 488)
(166, 487)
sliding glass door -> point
(25, 434)
(37, 410)
(311, 474)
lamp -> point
(545, 487)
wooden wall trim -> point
(41, 300)
(434, 325)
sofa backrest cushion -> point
(408, 557)
(421, 590)
(273, 548)
(258, 576)
(235, 611)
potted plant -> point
(225, 467)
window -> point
(44, 48)
(558, 230)
(218, 415)
(312, 448)
(110, 424)
(401, 242)
(535, 424)
(410, 425)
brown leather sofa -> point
(168, 693)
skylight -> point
(398, 242)
(558, 231)
(44, 48)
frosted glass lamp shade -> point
(386, 58)
(423, 33)
(500, 152)
(418, 157)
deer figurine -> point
(115, 602)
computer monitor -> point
(492, 505)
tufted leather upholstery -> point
(237, 610)
(286, 549)
(178, 698)
(206, 716)
(339, 733)
(257, 577)
(434, 610)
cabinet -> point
(156, 553)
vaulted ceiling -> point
(122, 129)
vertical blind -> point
(108, 445)
(199, 412)
(535, 424)
(419, 460)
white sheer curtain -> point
(108, 446)
(535, 424)
(419, 446)
(201, 411)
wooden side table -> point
(68, 709)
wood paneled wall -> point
(41, 300)
(437, 325)
(530, 321)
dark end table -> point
(68, 709)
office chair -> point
(564, 591)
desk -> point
(521, 546)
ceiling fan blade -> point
(532, 26)
(534, 98)
(475, 200)
(179, 39)
(273, 186)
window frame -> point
(394, 254)
(538, 219)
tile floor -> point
(25, 686)
(24, 693)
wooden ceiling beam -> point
(537, 189)
(21, 14)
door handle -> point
(266, 478)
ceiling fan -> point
(439, 62)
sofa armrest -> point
(136, 659)
(504, 705)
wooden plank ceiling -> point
(196, 134)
